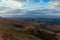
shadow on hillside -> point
(43, 35)
(18, 25)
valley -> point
(29, 29)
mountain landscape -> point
(29, 29)
(29, 19)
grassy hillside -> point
(9, 33)
(21, 30)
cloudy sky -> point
(12, 8)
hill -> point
(21, 30)
(9, 32)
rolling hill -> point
(20, 30)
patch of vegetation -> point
(9, 33)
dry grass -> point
(9, 33)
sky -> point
(12, 8)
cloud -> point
(4, 9)
(31, 13)
(13, 4)
(12, 12)
(10, 4)
(55, 4)
(22, 0)
(16, 8)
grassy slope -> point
(8, 30)
(9, 33)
